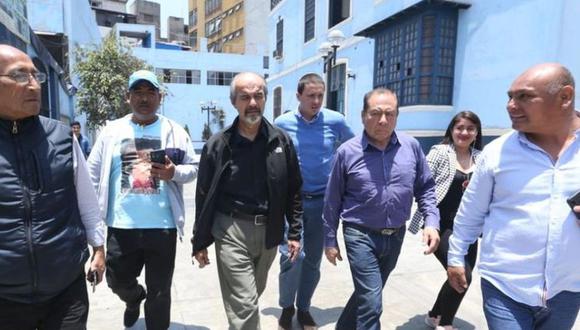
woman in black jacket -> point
(452, 163)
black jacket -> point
(284, 182)
(43, 245)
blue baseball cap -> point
(148, 76)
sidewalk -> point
(410, 292)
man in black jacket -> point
(248, 181)
(48, 209)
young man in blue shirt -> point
(316, 133)
(84, 143)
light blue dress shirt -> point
(530, 249)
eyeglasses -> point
(24, 77)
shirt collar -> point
(366, 144)
(237, 138)
(523, 138)
(314, 119)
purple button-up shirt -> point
(375, 188)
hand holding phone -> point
(93, 278)
(574, 201)
(157, 156)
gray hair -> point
(233, 92)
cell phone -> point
(157, 156)
(574, 201)
(93, 275)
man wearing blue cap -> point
(138, 165)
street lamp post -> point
(208, 106)
(328, 50)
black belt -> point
(312, 196)
(257, 219)
(382, 231)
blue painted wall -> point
(499, 39)
(76, 20)
(496, 41)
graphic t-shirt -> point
(137, 199)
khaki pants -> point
(243, 263)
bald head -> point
(9, 54)
(541, 100)
(553, 76)
(18, 99)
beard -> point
(252, 119)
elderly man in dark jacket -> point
(48, 209)
(249, 181)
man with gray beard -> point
(248, 182)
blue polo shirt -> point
(315, 142)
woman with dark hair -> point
(452, 163)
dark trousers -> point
(69, 310)
(448, 300)
(128, 251)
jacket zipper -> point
(217, 177)
(27, 210)
(544, 296)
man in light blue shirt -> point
(316, 133)
(529, 260)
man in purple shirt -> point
(371, 188)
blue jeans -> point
(372, 257)
(502, 312)
(298, 280)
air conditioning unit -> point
(276, 55)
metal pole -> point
(207, 109)
(328, 66)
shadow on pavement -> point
(418, 322)
(140, 325)
(194, 327)
(321, 316)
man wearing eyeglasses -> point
(371, 188)
(48, 209)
